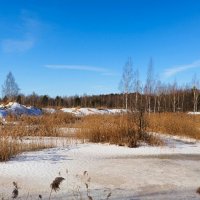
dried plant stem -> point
(50, 193)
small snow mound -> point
(18, 109)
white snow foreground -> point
(168, 172)
(18, 109)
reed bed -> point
(124, 130)
(11, 147)
(181, 124)
(129, 130)
(44, 125)
(17, 127)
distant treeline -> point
(152, 96)
(167, 100)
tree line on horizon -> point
(153, 96)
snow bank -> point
(18, 109)
(90, 111)
(194, 113)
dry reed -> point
(181, 124)
(15, 192)
(11, 147)
(115, 129)
(198, 191)
(55, 185)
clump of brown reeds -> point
(55, 185)
(10, 147)
(198, 190)
(17, 127)
(57, 119)
(15, 192)
(181, 124)
(126, 129)
(44, 125)
(77, 193)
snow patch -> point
(18, 109)
(194, 113)
(90, 111)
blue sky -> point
(69, 47)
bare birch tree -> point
(126, 80)
(136, 87)
(149, 85)
(10, 88)
(195, 89)
(174, 95)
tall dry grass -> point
(44, 125)
(181, 124)
(123, 130)
(11, 147)
(13, 132)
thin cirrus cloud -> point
(27, 28)
(78, 67)
(11, 45)
(181, 68)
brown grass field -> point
(125, 130)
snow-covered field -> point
(168, 172)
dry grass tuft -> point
(198, 191)
(44, 125)
(10, 147)
(124, 130)
(109, 195)
(15, 192)
(180, 124)
(56, 183)
(18, 127)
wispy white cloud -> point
(180, 68)
(11, 45)
(27, 28)
(111, 74)
(78, 67)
